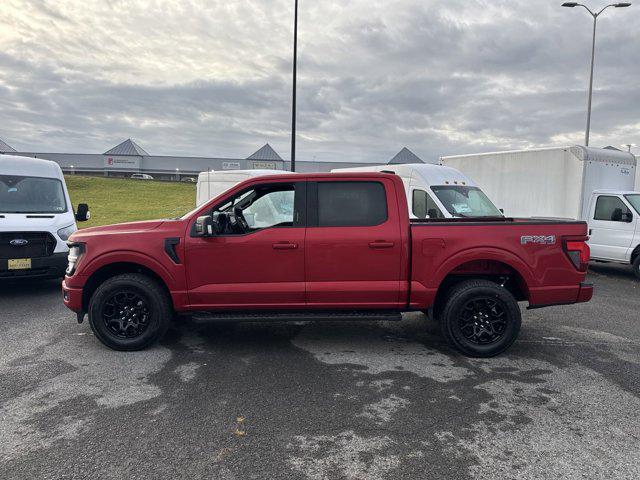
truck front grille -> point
(38, 244)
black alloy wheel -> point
(126, 314)
(480, 318)
(483, 321)
(130, 311)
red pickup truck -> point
(323, 246)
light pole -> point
(593, 53)
(293, 105)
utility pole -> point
(293, 105)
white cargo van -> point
(591, 184)
(436, 191)
(213, 183)
(36, 218)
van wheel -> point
(129, 312)
(480, 318)
(636, 266)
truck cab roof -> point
(616, 192)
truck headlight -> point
(75, 252)
(65, 232)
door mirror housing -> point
(82, 213)
(204, 226)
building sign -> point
(265, 165)
(121, 162)
(231, 165)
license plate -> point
(19, 263)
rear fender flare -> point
(494, 254)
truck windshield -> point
(463, 201)
(634, 200)
(20, 194)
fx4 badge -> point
(538, 239)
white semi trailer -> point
(591, 184)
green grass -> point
(116, 200)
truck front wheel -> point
(480, 318)
(129, 312)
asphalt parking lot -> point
(327, 400)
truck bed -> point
(529, 253)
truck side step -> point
(370, 316)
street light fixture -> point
(593, 52)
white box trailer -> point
(547, 182)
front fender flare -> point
(130, 256)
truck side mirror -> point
(82, 213)
(204, 226)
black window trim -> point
(312, 203)
(595, 209)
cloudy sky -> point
(213, 78)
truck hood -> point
(118, 228)
(23, 222)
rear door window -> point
(351, 204)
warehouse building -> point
(129, 157)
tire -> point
(636, 267)
(497, 324)
(129, 312)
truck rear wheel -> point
(480, 318)
(129, 312)
(636, 266)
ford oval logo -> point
(18, 242)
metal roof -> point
(405, 156)
(4, 147)
(128, 147)
(265, 153)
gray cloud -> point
(213, 78)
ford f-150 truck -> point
(324, 246)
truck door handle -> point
(381, 244)
(285, 246)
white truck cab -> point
(437, 191)
(614, 227)
(36, 218)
